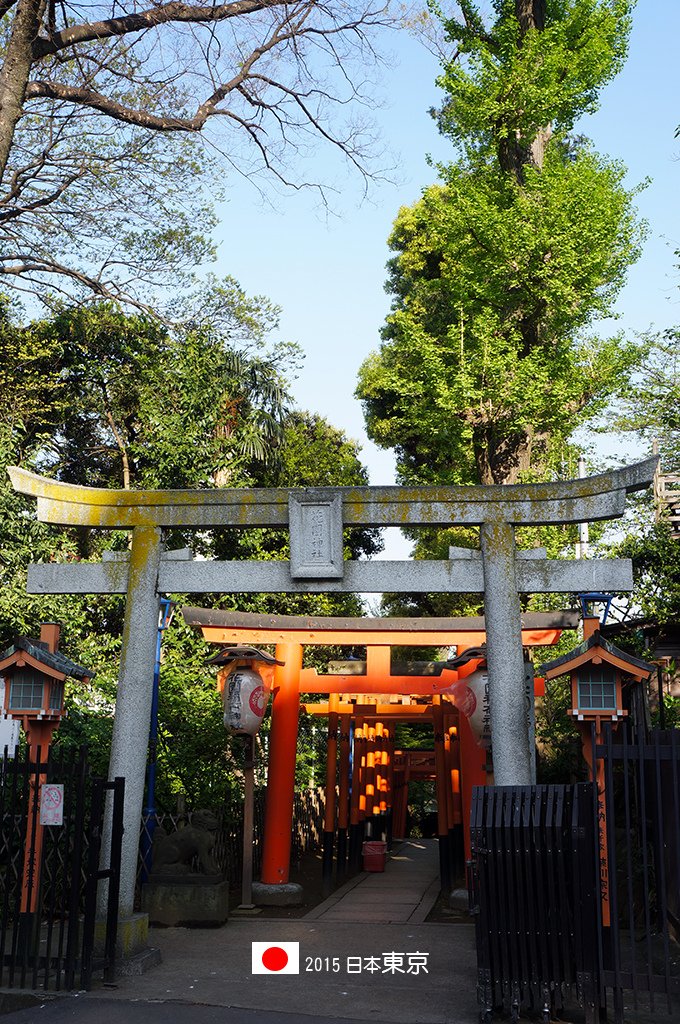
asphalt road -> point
(85, 1009)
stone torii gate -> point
(315, 518)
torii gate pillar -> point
(511, 758)
(130, 737)
(275, 888)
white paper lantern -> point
(245, 699)
(471, 697)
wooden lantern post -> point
(35, 673)
(598, 671)
(245, 681)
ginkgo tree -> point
(489, 358)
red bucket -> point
(374, 853)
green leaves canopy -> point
(536, 64)
(97, 397)
(105, 399)
(481, 374)
(485, 368)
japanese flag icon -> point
(276, 957)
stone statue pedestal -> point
(186, 901)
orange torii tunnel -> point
(367, 777)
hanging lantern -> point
(471, 697)
(245, 682)
(245, 699)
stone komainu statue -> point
(175, 853)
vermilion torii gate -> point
(372, 695)
(315, 518)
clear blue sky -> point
(328, 274)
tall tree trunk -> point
(513, 157)
(530, 14)
(513, 154)
(537, 151)
(501, 458)
(503, 465)
(125, 458)
(16, 70)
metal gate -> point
(532, 890)
(49, 872)
(575, 892)
(639, 952)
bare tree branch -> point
(108, 124)
(151, 18)
(96, 101)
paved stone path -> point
(374, 916)
(404, 893)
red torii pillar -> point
(281, 776)
(329, 815)
(388, 766)
(473, 773)
(442, 784)
(343, 794)
(453, 804)
(356, 820)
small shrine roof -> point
(51, 660)
(596, 640)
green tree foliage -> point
(487, 363)
(334, 462)
(656, 572)
(557, 738)
(120, 401)
(651, 407)
(96, 397)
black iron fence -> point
(638, 952)
(49, 872)
(576, 889)
(532, 885)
